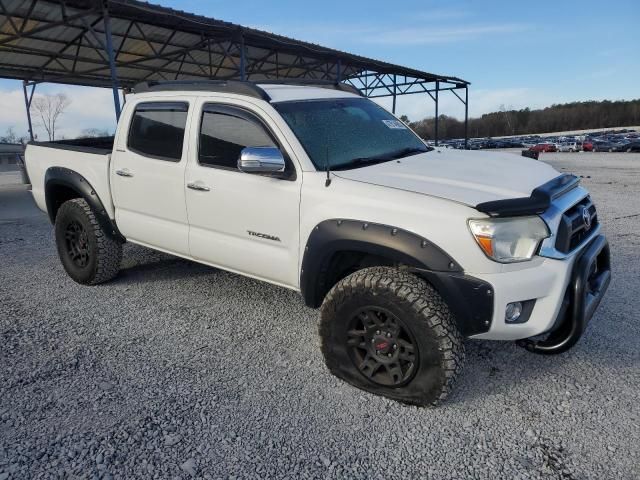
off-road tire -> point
(420, 309)
(104, 253)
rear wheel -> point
(88, 255)
(388, 332)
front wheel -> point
(87, 253)
(389, 332)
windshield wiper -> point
(360, 162)
(405, 152)
(366, 161)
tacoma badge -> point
(263, 235)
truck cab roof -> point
(285, 93)
(270, 91)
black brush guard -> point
(589, 282)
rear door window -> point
(157, 130)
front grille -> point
(573, 230)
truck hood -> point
(462, 176)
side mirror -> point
(261, 160)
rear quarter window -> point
(157, 130)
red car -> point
(544, 147)
(587, 146)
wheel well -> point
(56, 195)
(336, 247)
(343, 263)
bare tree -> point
(94, 133)
(9, 136)
(507, 116)
(50, 108)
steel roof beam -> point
(3, 10)
(48, 26)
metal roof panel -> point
(54, 35)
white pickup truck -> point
(406, 249)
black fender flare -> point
(470, 299)
(64, 177)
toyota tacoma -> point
(406, 250)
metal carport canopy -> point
(118, 43)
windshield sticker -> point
(394, 124)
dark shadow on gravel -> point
(142, 265)
(172, 268)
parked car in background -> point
(603, 146)
(633, 146)
(609, 140)
(544, 147)
(621, 145)
(569, 147)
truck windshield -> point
(347, 133)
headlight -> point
(509, 240)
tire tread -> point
(109, 250)
(417, 295)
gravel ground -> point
(176, 370)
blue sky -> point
(516, 53)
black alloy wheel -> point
(77, 243)
(387, 331)
(88, 252)
(381, 347)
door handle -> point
(198, 186)
(124, 173)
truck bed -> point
(99, 145)
(90, 157)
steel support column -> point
(466, 117)
(112, 62)
(436, 123)
(338, 71)
(393, 108)
(27, 103)
(243, 59)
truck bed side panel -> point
(94, 167)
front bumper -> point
(555, 285)
(589, 282)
